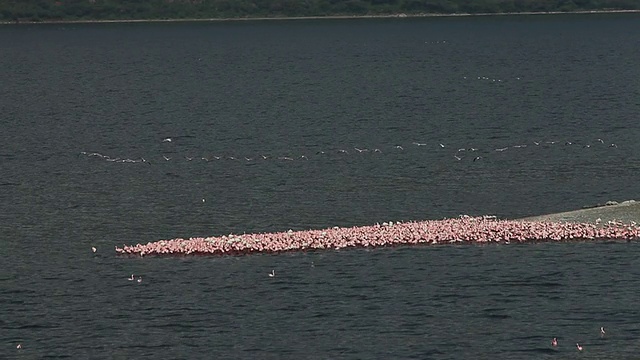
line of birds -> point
(554, 341)
(458, 154)
(484, 78)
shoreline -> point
(328, 17)
(626, 212)
(611, 221)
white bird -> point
(272, 273)
(166, 140)
(602, 332)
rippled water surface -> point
(312, 124)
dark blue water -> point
(312, 124)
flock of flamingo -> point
(455, 153)
(462, 230)
(554, 341)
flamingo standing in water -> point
(554, 342)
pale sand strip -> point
(626, 212)
(331, 17)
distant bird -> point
(19, 346)
(502, 149)
(579, 347)
(188, 158)
(320, 152)
(139, 279)
(568, 143)
(360, 150)
(536, 142)
(600, 141)
(418, 144)
(203, 200)
(131, 278)
(166, 140)
(457, 157)
(166, 158)
(304, 157)
(343, 151)
(399, 147)
(602, 332)
(554, 342)
(377, 150)
(477, 158)
(272, 273)
(94, 249)
(441, 145)
(613, 145)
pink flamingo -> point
(554, 342)
(578, 347)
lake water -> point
(315, 124)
